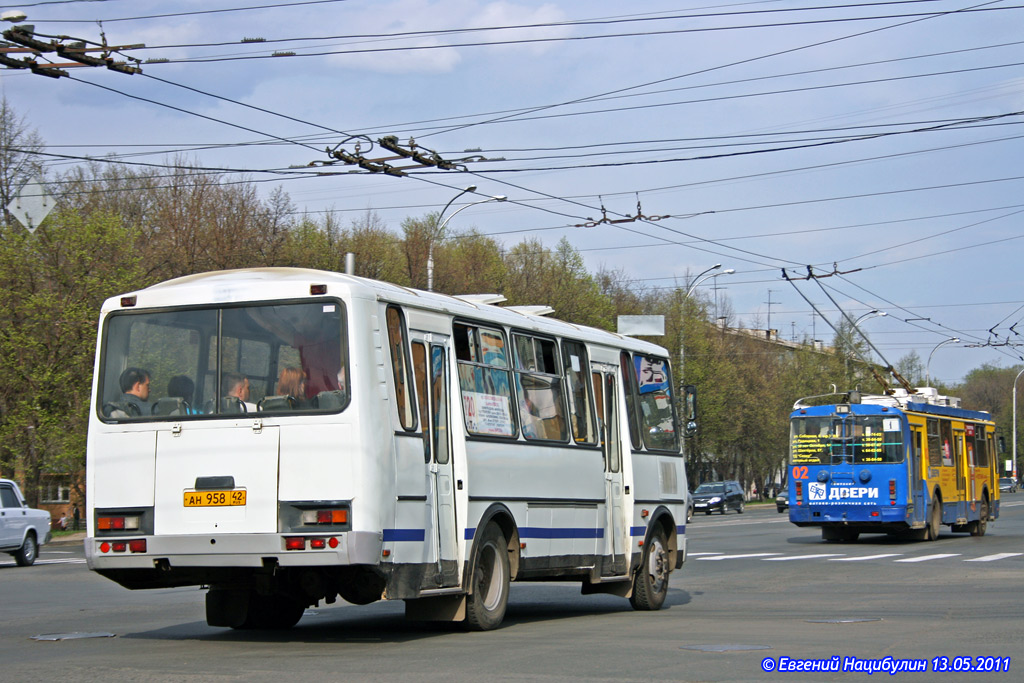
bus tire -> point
(934, 519)
(28, 552)
(486, 605)
(979, 527)
(272, 612)
(650, 585)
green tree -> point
(52, 284)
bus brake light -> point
(799, 492)
(325, 516)
(117, 523)
(295, 543)
(892, 491)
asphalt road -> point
(755, 590)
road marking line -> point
(698, 554)
(63, 560)
(737, 557)
(926, 558)
(801, 557)
(993, 558)
(865, 557)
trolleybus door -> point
(607, 398)
(430, 362)
(916, 457)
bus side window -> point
(539, 386)
(632, 411)
(484, 381)
(581, 415)
(397, 347)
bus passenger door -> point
(430, 364)
(607, 400)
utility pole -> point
(770, 302)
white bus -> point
(288, 436)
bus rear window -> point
(281, 358)
(828, 440)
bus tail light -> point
(117, 523)
(137, 545)
(337, 516)
(799, 492)
(295, 543)
(892, 492)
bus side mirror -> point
(690, 409)
(1002, 444)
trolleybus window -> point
(934, 444)
(835, 440)
(484, 380)
(224, 361)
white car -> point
(22, 529)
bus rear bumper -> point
(860, 516)
(234, 551)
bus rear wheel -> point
(650, 585)
(934, 519)
(486, 605)
(979, 527)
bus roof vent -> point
(531, 310)
(481, 298)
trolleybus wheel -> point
(485, 606)
(934, 519)
(650, 585)
(978, 528)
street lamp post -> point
(1014, 440)
(928, 366)
(441, 227)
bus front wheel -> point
(485, 606)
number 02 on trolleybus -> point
(289, 436)
(902, 464)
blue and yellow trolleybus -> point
(900, 464)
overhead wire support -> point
(75, 50)
(421, 157)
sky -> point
(876, 143)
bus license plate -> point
(202, 499)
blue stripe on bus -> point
(544, 532)
(404, 535)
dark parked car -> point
(718, 495)
(782, 500)
(1008, 484)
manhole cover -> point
(72, 636)
(841, 621)
(724, 648)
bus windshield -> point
(824, 440)
(281, 357)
